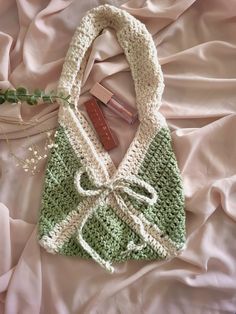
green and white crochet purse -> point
(90, 208)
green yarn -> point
(105, 232)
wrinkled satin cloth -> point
(196, 46)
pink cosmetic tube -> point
(120, 108)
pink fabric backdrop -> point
(196, 45)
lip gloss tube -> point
(120, 108)
(105, 135)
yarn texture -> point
(90, 208)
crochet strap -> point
(138, 47)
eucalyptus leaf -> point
(12, 99)
(32, 100)
(2, 99)
(10, 92)
(10, 96)
(22, 93)
(38, 92)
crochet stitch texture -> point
(89, 207)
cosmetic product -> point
(120, 108)
(105, 135)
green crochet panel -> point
(105, 231)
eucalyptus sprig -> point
(21, 94)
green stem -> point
(28, 96)
(51, 96)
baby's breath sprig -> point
(21, 94)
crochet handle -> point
(138, 47)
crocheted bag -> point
(89, 207)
